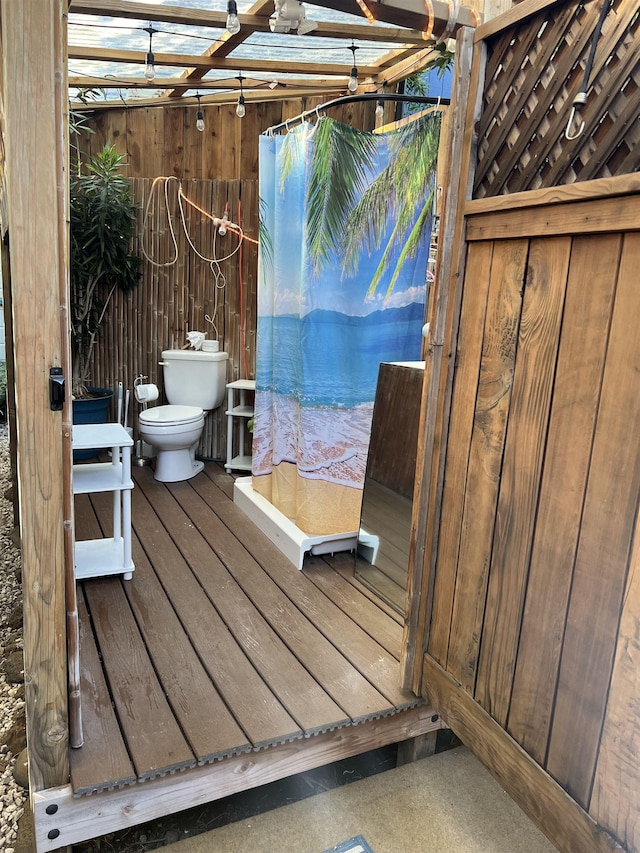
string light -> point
(352, 85)
(150, 67)
(199, 116)
(379, 109)
(366, 11)
(233, 24)
(240, 109)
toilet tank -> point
(194, 378)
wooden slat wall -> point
(538, 524)
(531, 598)
(163, 140)
(174, 299)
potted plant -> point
(102, 216)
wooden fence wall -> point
(529, 642)
(180, 287)
(163, 140)
(216, 169)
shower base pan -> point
(293, 542)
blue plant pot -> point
(91, 410)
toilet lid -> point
(171, 415)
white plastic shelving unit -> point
(111, 555)
(238, 411)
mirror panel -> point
(385, 522)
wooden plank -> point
(615, 802)
(516, 15)
(619, 185)
(77, 819)
(588, 217)
(357, 606)
(153, 737)
(293, 685)
(432, 431)
(347, 662)
(185, 681)
(342, 564)
(559, 817)
(471, 334)
(603, 549)
(537, 349)
(203, 18)
(485, 458)
(92, 767)
(255, 707)
(32, 44)
(581, 358)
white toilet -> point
(194, 384)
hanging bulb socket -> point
(352, 85)
(379, 109)
(233, 22)
(240, 109)
(199, 117)
(150, 67)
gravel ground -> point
(12, 797)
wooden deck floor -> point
(219, 646)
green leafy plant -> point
(103, 218)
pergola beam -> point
(131, 10)
(208, 63)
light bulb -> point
(150, 68)
(199, 121)
(352, 85)
(379, 109)
(240, 110)
(233, 24)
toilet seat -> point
(167, 416)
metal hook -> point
(575, 112)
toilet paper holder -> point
(140, 459)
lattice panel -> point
(534, 71)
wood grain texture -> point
(588, 217)
(348, 664)
(257, 710)
(485, 458)
(100, 724)
(568, 826)
(294, 686)
(471, 335)
(615, 802)
(576, 394)
(193, 698)
(608, 522)
(80, 818)
(153, 736)
(444, 299)
(533, 379)
(32, 45)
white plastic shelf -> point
(238, 413)
(111, 555)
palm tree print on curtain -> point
(346, 226)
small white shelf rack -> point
(239, 411)
(111, 555)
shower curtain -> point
(344, 244)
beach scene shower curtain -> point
(344, 246)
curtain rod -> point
(352, 99)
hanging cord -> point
(575, 118)
(145, 218)
(243, 319)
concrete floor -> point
(444, 803)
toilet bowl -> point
(194, 384)
(174, 431)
